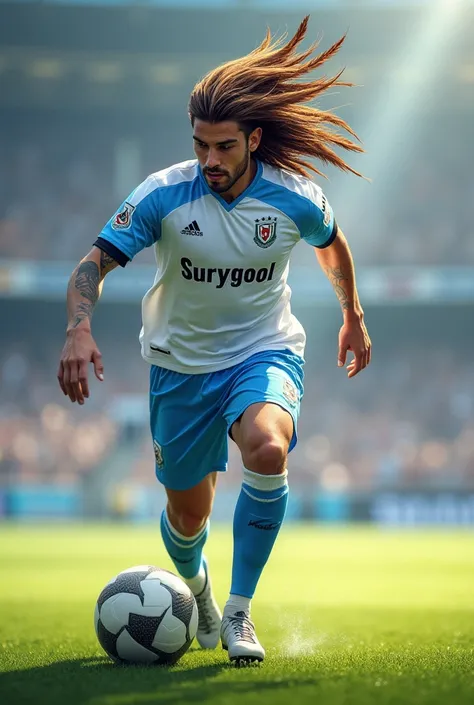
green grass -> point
(350, 616)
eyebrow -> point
(219, 144)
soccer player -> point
(225, 351)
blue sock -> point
(258, 516)
(184, 551)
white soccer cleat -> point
(240, 640)
(210, 616)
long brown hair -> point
(257, 90)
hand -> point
(353, 336)
(79, 349)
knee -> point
(266, 455)
(186, 522)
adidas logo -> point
(192, 229)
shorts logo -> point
(265, 231)
(290, 392)
(158, 455)
(123, 219)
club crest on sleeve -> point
(123, 219)
(290, 392)
(265, 231)
(158, 454)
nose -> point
(212, 159)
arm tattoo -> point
(83, 311)
(336, 277)
(107, 263)
(87, 283)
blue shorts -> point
(191, 415)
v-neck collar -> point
(230, 206)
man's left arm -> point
(337, 263)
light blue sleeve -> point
(319, 227)
(137, 223)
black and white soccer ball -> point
(146, 615)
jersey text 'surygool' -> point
(220, 293)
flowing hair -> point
(262, 90)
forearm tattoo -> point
(337, 277)
(87, 282)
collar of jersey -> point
(244, 194)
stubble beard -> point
(240, 171)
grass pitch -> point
(348, 616)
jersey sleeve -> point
(136, 225)
(320, 228)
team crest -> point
(290, 392)
(158, 455)
(123, 219)
(265, 231)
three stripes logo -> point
(192, 229)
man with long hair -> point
(226, 353)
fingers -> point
(356, 365)
(98, 366)
(360, 361)
(341, 356)
(61, 378)
(73, 377)
(83, 383)
(73, 372)
(77, 373)
(67, 380)
(79, 350)
(74, 386)
(354, 337)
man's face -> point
(223, 151)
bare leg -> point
(263, 434)
(188, 510)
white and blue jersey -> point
(220, 293)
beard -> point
(229, 180)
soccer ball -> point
(146, 615)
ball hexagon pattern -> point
(146, 615)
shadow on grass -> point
(97, 680)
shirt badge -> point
(265, 231)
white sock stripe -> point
(182, 537)
(181, 543)
(259, 499)
(179, 539)
(266, 483)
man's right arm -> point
(80, 349)
(85, 286)
(136, 225)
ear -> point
(255, 138)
